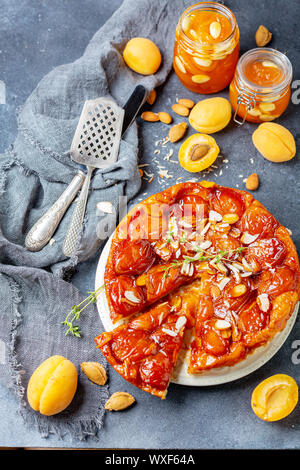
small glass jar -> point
(206, 47)
(260, 90)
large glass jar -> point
(206, 47)
(260, 90)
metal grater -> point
(95, 144)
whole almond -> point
(95, 372)
(177, 132)
(180, 109)
(165, 117)
(263, 36)
(187, 103)
(151, 97)
(149, 116)
(252, 182)
(119, 401)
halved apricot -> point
(275, 398)
(198, 152)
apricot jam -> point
(206, 47)
(260, 90)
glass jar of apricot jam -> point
(260, 90)
(206, 47)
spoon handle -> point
(42, 231)
(75, 226)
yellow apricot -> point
(142, 56)
(275, 398)
(52, 386)
(274, 142)
(210, 115)
(198, 152)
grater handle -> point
(74, 228)
(40, 234)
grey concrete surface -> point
(37, 35)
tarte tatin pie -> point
(202, 259)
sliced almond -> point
(222, 227)
(263, 302)
(215, 291)
(238, 290)
(187, 103)
(269, 63)
(247, 238)
(215, 216)
(215, 29)
(178, 131)
(223, 283)
(221, 267)
(165, 117)
(105, 206)
(185, 268)
(205, 245)
(246, 265)
(267, 107)
(150, 116)
(202, 62)
(180, 323)
(180, 109)
(267, 117)
(254, 112)
(191, 270)
(170, 332)
(222, 324)
(205, 229)
(179, 64)
(262, 36)
(252, 182)
(185, 23)
(230, 218)
(200, 78)
(152, 97)
(129, 295)
(235, 232)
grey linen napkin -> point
(33, 173)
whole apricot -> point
(52, 386)
(198, 152)
(275, 398)
(142, 56)
(274, 142)
(210, 115)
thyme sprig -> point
(203, 255)
(76, 311)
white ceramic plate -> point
(214, 376)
